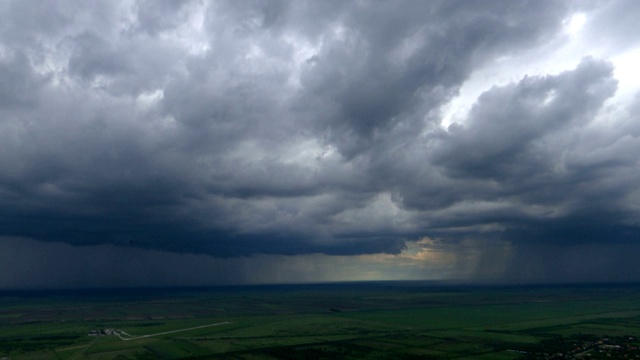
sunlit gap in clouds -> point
(575, 23)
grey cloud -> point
(527, 161)
(18, 84)
(509, 125)
(95, 57)
(234, 129)
(151, 16)
(387, 66)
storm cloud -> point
(234, 129)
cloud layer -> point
(243, 128)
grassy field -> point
(395, 320)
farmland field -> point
(399, 320)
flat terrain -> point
(395, 320)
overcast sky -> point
(149, 143)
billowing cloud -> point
(297, 128)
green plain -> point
(352, 321)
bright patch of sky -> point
(560, 54)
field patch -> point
(323, 322)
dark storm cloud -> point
(391, 66)
(240, 128)
(508, 125)
(531, 161)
